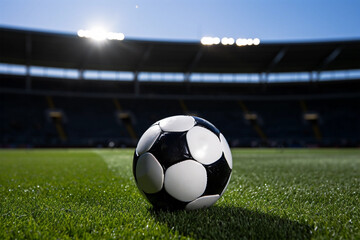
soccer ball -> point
(182, 162)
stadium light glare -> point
(231, 41)
(204, 41)
(240, 42)
(210, 41)
(247, 41)
(81, 33)
(227, 41)
(99, 34)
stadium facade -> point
(59, 90)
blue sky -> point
(269, 20)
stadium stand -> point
(55, 111)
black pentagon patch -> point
(135, 160)
(206, 124)
(171, 148)
(218, 174)
(163, 200)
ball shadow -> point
(231, 223)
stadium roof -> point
(70, 51)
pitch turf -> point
(274, 194)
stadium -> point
(56, 89)
(289, 110)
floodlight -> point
(249, 41)
(230, 41)
(216, 40)
(99, 34)
(210, 41)
(227, 41)
(256, 41)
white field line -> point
(116, 162)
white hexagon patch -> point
(186, 180)
(148, 139)
(204, 145)
(149, 173)
(179, 123)
(202, 202)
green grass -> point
(283, 194)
